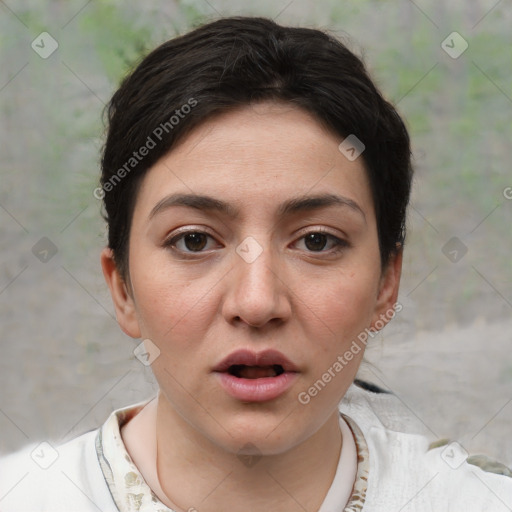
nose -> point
(258, 291)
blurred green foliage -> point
(119, 40)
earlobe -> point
(122, 299)
(388, 291)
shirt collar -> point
(131, 493)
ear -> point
(123, 301)
(388, 291)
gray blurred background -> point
(64, 362)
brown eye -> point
(192, 241)
(316, 241)
(195, 241)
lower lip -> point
(257, 390)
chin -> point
(261, 433)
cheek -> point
(167, 307)
(341, 306)
(172, 305)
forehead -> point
(259, 155)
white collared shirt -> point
(395, 470)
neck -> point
(196, 474)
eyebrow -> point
(287, 208)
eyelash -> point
(339, 244)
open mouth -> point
(250, 376)
(243, 371)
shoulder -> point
(442, 477)
(42, 477)
(409, 473)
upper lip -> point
(249, 358)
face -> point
(252, 294)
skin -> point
(307, 301)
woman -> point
(255, 184)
